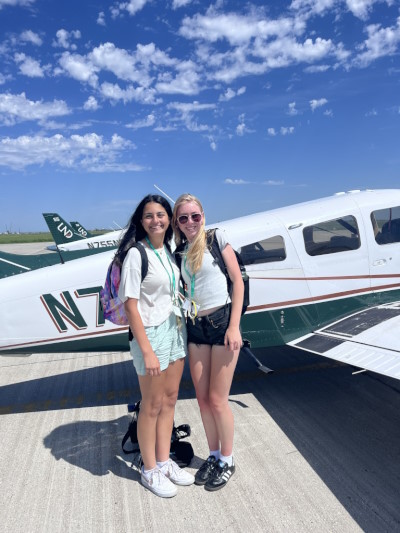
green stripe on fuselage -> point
(265, 328)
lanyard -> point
(192, 278)
(171, 282)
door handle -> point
(379, 262)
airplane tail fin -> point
(61, 231)
(78, 228)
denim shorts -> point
(210, 329)
(168, 341)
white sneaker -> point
(158, 483)
(176, 474)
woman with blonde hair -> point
(214, 338)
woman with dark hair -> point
(158, 346)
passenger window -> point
(265, 251)
(386, 225)
(338, 235)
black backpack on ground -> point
(181, 452)
(215, 251)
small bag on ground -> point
(181, 451)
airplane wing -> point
(368, 339)
(12, 264)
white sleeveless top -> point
(210, 288)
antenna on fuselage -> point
(164, 193)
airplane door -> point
(280, 298)
(383, 235)
(334, 255)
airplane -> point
(67, 239)
(324, 277)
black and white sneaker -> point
(220, 476)
(204, 472)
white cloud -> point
(312, 6)
(4, 79)
(241, 128)
(271, 132)
(144, 123)
(29, 66)
(101, 19)
(185, 82)
(180, 3)
(380, 42)
(257, 44)
(359, 8)
(287, 130)
(133, 6)
(91, 104)
(17, 108)
(316, 68)
(229, 181)
(31, 37)
(190, 107)
(213, 144)
(314, 104)
(292, 111)
(230, 93)
(118, 61)
(13, 3)
(113, 92)
(64, 37)
(79, 68)
(237, 29)
(273, 182)
(86, 152)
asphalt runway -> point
(316, 449)
(29, 248)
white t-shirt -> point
(210, 287)
(154, 294)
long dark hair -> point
(135, 231)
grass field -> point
(14, 238)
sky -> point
(248, 105)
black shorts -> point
(209, 329)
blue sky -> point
(248, 105)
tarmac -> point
(317, 449)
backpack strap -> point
(178, 254)
(144, 269)
(215, 251)
(143, 255)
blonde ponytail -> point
(196, 249)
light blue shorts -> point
(169, 343)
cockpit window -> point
(386, 225)
(265, 251)
(332, 236)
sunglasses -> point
(184, 219)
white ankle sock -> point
(215, 453)
(226, 459)
(147, 473)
